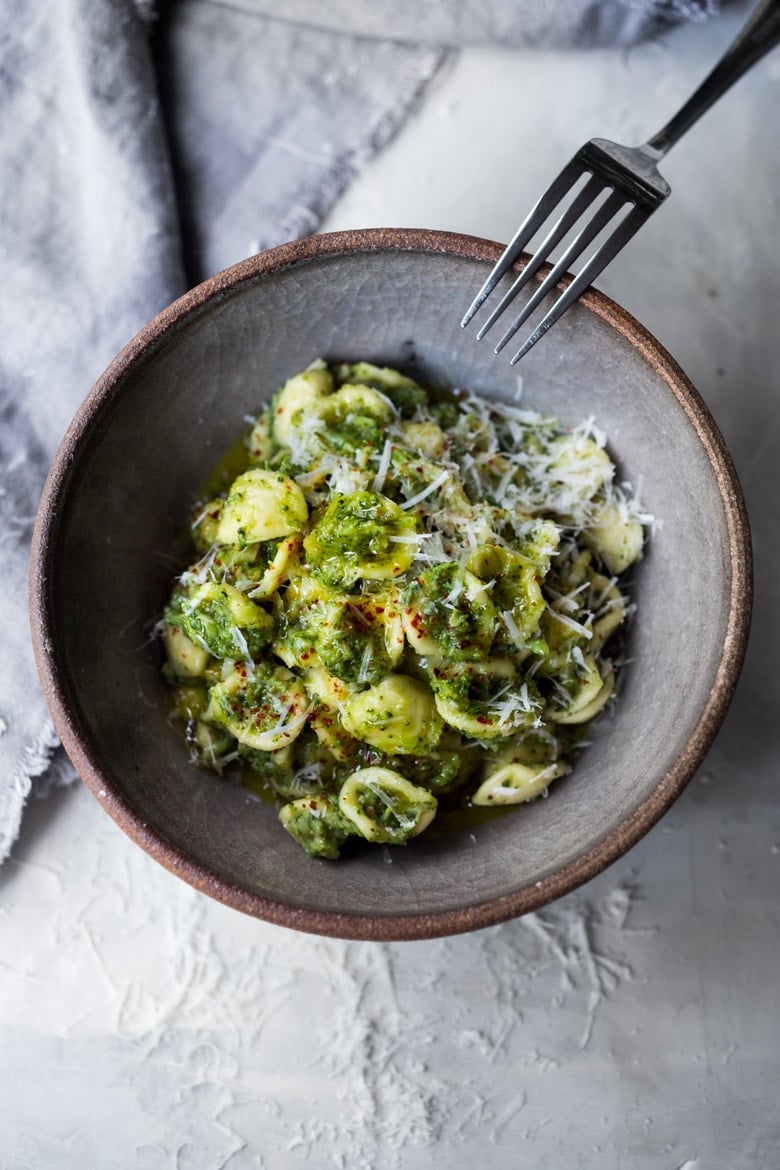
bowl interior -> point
(146, 441)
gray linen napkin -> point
(138, 156)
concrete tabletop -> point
(634, 1024)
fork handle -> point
(760, 34)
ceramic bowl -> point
(110, 537)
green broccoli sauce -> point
(359, 535)
(460, 625)
(219, 618)
(410, 597)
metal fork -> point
(628, 181)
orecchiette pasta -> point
(264, 709)
(299, 396)
(385, 807)
(262, 505)
(187, 659)
(616, 536)
(517, 783)
(397, 716)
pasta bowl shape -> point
(112, 533)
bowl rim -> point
(391, 927)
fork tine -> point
(589, 192)
(530, 225)
(605, 213)
(608, 250)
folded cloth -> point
(522, 24)
(140, 155)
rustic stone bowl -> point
(110, 537)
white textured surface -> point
(631, 1025)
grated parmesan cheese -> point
(512, 626)
(570, 623)
(241, 646)
(429, 490)
(384, 465)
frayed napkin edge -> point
(38, 759)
